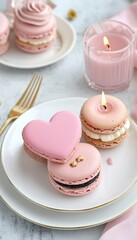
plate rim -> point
(69, 49)
(65, 228)
(60, 209)
(14, 209)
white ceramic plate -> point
(63, 220)
(30, 178)
(66, 38)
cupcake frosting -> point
(34, 12)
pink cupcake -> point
(4, 33)
(34, 26)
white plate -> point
(63, 220)
(31, 178)
(66, 38)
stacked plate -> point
(25, 187)
(65, 42)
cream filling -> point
(107, 137)
(38, 42)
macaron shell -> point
(106, 145)
(76, 192)
(34, 155)
(55, 139)
(84, 170)
(34, 48)
(91, 117)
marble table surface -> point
(62, 79)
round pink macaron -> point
(53, 140)
(80, 175)
(34, 26)
(104, 127)
(4, 33)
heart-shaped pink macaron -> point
(53, 140)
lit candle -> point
(106, 43)
(106, 117)
(104, 100)
(104, 106)
(109, 55)
(104, 121)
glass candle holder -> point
(109, 50)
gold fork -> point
(25, 102)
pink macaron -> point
(53, 140)
(104, 127)
(4, 33)
(34, 26)
(80, 175)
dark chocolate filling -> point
(78, 185)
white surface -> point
(61, 220)
(64, 43)
(31, 177)
(62, 79)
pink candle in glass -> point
(109, 66)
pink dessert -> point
(80, 175)
(104, 126)
(53, 140)
(4, 33)
(34, 26)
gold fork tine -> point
(31, 97)
(25, 102)
(27, 91)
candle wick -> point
(104, 106)
(108, 47)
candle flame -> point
(106, 42)
(104, 104)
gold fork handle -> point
(6, 123)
